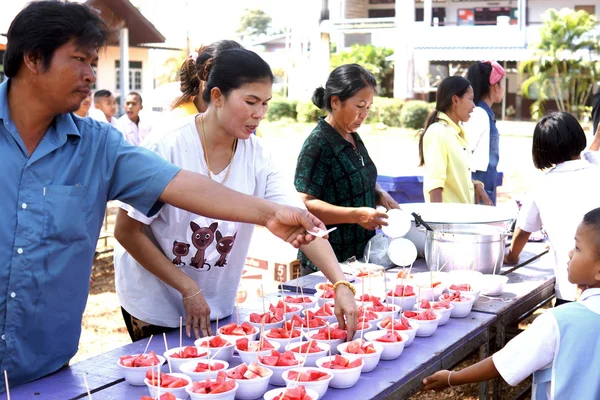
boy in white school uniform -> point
(561, 348)
(559, 199)
(105, 107)
(134, 127)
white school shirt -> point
(558, 202)
(98, 115)
(477, 131)
(225, 244)
(535, 348)
(134, 133)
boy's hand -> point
(437, 381)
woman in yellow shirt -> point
(443, 149)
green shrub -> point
(385, 110)
(281, 108)
(414, 113)
(306, 111)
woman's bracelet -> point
(194, 295)
(345, 283)
(476, 182)
(449, 375)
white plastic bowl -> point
(253, 388)
(321, 301)
(284, 342)
(313, 301)
(223, 355)
(493, 285)
(267, 326)
(177, 392)
(330, 318)
(311, 358)
(391, 350)
(333, 343)
(189, 367)
(444, 314)
(393, 314)
(318, 386)
(175, 363)
(473, 278)
(249, 357)
(410, 333)
(343, 378)
(406, 302)
(426, 327)
(271, 394)
(277, 378)
(234, 338)
(230, 395)
(462, 308)
(135, 375)
(370, 360)
(471, 293)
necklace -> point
(233, 147)
(360, 157)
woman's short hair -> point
(557, 138)
(344, 82)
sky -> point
(207, 20)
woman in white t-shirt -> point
(181, 264)
(558, 201)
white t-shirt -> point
(558, 203)
(98, 115)
(134, 133)
(218, 248)
(477, 130)
(536, 347)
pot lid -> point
(456, 213)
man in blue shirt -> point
(58, 172)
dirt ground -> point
(103, 328)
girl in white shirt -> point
(560, 348)
(561, 197)
(181, 264)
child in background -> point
(134, 127)
(561, 348)
(84, 107)
(560, 198)
(105, 107)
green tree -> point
(563, 67)
(254, 23)
(375, 59)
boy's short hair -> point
(557, 138)
(101, 94)
(137, 95)
(592, 221)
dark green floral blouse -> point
(330, 169)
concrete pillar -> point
(403, 51)
(124, 62)
(427, 12)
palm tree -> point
(564, 67)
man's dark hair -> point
(44, 26)
(100, 94)
(136, 94)
(557, 138)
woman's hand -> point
(345, 306)
(481, 196)
(437, 381)
(371, 219)
(291, 224)
(197, 315)
(386, 200)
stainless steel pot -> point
(465, 246)
(448, 214)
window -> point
(436, 12)
(135, 75)
(95, 69)
(390, 12)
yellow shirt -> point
(447, 162)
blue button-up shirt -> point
(53, 204)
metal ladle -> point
(420, 221)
